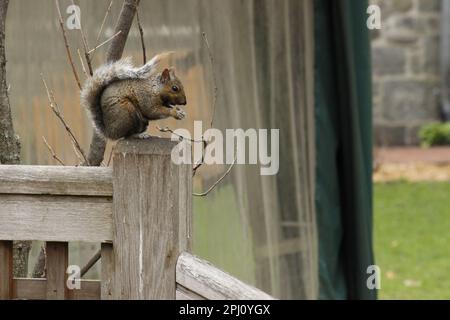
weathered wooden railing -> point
(140, 211)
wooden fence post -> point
(151, 218)
(57, 263)
(6, 270)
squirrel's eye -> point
(175, 89)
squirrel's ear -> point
(165, 76)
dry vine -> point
(205, 143)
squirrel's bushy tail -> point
(107, 74)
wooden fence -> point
(140, 210)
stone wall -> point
(405, 61)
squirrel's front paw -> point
(179, 114)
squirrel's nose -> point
(184, 102)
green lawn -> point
(412, 239)
(220, 236)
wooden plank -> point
(183, 293)
(57, 263)
(55, 218)
(36, 289)
(90, 290)
(30, 289)
(146, 218)
(107, 261)
(212, 283)
(6, 270)
(77, 181)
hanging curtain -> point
(344, 149)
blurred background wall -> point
(406, 73)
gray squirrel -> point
(122, 99)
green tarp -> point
(344, 148)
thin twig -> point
(204, 194)
(104, 42)
(216, 92)
(69, 54)
(82, 63)
(215, 95)
(76, 151)
(50, 96)
(103, 22)
(52, 152)
(141, 32)
(167, 129)
(101, 27)
(213, 70)
(202, 160)
(181, 138)
(56, 111)
(85, 44)
(88, 60)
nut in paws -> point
(180, 114)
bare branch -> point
(104, 42)
(53, 152)
(69, 54)
(89, 63)
(54, 107)
(124, 23)
(216, 89)
(9, 142)
(85, 44)
(104, 20)
(141, 32)
(102, 25)
(76, 152)
(204, 194)
(82, 63)
(50, 96)
(114, 53)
